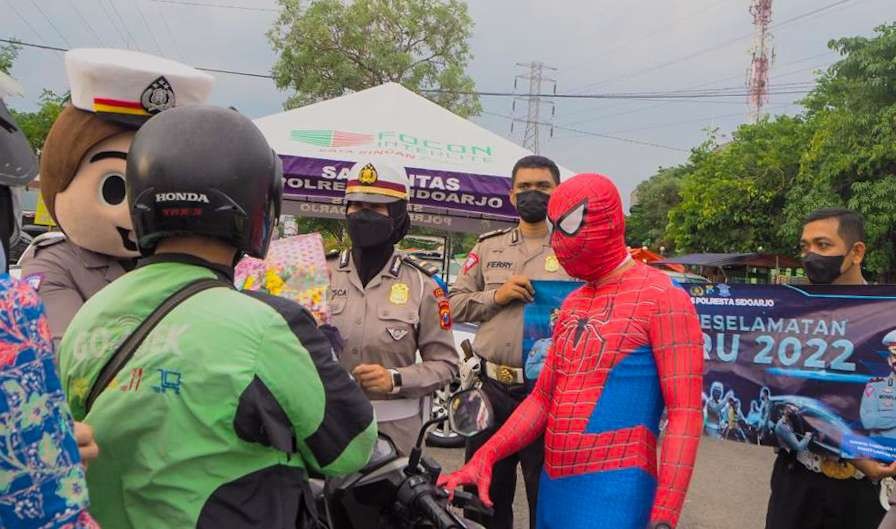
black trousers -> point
(802, 499)
(504, 401)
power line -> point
(597, 134)
(87, 23)
(717, 46)
(57, 48)
(124, 26)
(658, 96)
(148, 28)
(665, 27)
(205, 4)
(649, 107)
(610, 95)
(180, 55)
(12, 5)
(31, 45)
(52, 25)
(111, 21)
(685, 122)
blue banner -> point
(809, 367)
(800, 367)
(538, 323)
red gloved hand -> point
(478, 471)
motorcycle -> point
(469, 372)
(394, 492)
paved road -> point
(729, 489)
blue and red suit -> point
(626, 344)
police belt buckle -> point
(506, 375)
(837, 469)
(830, 467)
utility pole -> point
(534, 101)
(763, 56)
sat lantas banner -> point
(809, 367)
(800, 367)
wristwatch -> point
(396, 381)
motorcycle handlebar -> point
(435, 513)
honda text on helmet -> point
(227, 187)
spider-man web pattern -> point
(625, 345)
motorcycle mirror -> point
(470, 412)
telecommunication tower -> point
(763, 55)
(535, 102)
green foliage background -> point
(753, 191)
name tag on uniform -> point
(551, 264)
(399, 294)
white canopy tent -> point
(460, 171)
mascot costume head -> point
(589, 226)
(82, 165)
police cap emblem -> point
(158, 96)
(368, 175)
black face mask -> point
(532, 205)
(823, 269)
(369, 229)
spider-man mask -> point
(589, 227)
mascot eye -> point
(571, 222)
(112, 190)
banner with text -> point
(809, 367)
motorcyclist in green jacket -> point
(233, 397)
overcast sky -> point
(596, 45)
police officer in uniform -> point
(388, 305)
(492, 290)
(878, 408)
(82, 170)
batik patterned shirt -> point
(42, 483)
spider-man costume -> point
(625, 344)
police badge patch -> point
(158, 96)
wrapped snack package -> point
(295, 268)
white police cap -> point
(890, 339)
(378, 182)
(129, 86)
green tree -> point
(733, 199)
(8, 55)
(36, 125)
(328, 48)
(851, 159)
(648, 219)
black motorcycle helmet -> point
(204, 170)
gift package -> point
(295, 268)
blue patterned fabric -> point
(42, 482)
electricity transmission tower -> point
(763, 56)
(535, 101)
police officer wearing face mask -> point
(807, 486)
(492, 289)
(388, 305)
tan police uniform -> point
(401, 311)
(496, 257)
(66, 275)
